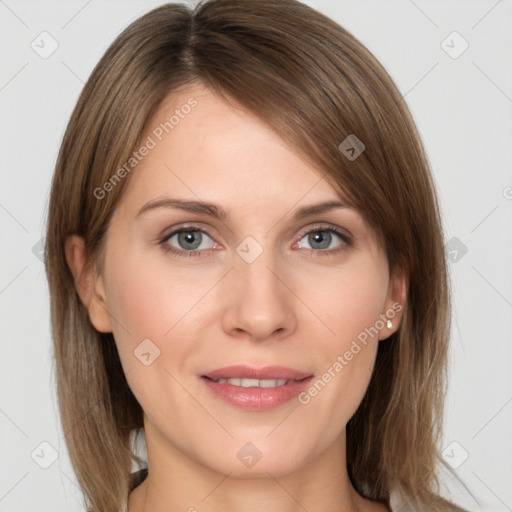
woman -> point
(246, 265)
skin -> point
(289, 307)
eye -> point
(189, 241)
(320, 239)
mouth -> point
(256, 389)
(254, 383)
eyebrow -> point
(218, 212)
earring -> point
(389, 324)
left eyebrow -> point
(218, 212)
(316, 209)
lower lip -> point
(257, 399)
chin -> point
(248, 460)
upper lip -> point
(251, 372)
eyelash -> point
(195, 253)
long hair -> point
(315, 84)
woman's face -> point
(299, 313)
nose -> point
(259, 301)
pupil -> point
(187, 237)
(321, 237)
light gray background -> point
(462, 107)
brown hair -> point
(315, 84)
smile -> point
(256, 389)
(255, 383)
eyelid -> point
(187, 226)
(344, 233)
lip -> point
(251, 372)
(255, 398)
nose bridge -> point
(260, 304)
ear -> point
(89, 285)
(395, 303)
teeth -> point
(255, 383)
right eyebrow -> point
(189, 206)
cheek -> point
(153, 305)
(349, 302)
(349, 305)
(159, 310)
(149, 298)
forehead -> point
(204, 147)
